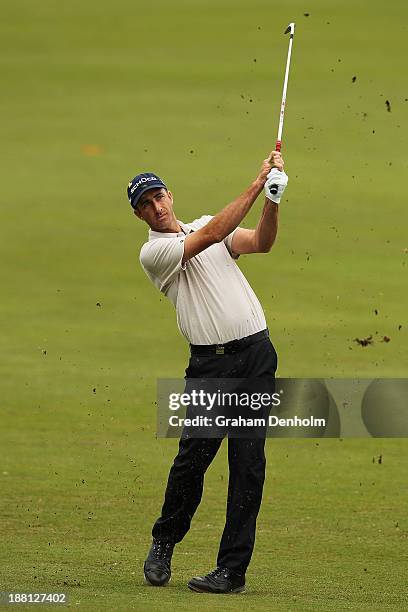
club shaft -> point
(283, 104)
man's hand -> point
(273, 161)
(275, 185)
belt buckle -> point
(219, 349)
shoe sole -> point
(148, 583)
(236, 591)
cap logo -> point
(143, 180)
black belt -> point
(229, 347)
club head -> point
(290, 28)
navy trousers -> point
(246, 458)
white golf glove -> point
(275, 185)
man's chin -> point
(160, 225)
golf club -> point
(290, 29)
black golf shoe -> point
(220, 580)
(157, 567)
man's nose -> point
(157, 206)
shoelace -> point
(162, 550)
(219, 571)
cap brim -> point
(134, 201)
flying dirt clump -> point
(364, 341)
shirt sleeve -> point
(161, 259)
(228, 244)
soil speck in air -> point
(364, 341)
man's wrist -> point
(271, 203)
(258, 184)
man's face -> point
(156, 208)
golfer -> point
(194, 265)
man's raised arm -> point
(261, 239)
(228, 219)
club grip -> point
(278, 145)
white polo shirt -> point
(214, 302)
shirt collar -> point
(185, 226)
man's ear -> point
(170, 196)
(137, 212)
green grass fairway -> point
(94, 92)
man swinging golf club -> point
(218, 313)
(193, 264)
